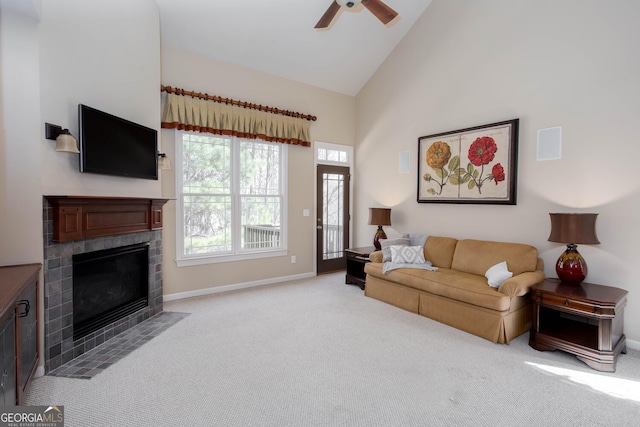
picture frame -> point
(476, 165)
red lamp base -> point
(571, 267)
(380, 234)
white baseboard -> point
(236, 286)
(633, 345)
(39, 372)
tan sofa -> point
(458, 294)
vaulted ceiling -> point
(278, 37)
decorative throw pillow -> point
(418, 239)
(385, 244)
(498, 274)
(407, 254)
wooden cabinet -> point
(356, 259)
(8, 360)
(18, 330)
(586, 320)
(27, 335)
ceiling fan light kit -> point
(381, 11)
(346, 3)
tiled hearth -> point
(59, 346)
(102, 357)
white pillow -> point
(385, 244)
(407, 254)
(498, 274)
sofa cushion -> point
(439, 250)
(407, 254)
(465, 287)
(497, 274)
(477, 256)
(417, 239)
(385, 246)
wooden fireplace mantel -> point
(83, 217)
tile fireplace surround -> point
(59, 346)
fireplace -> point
(108, 285)
(77, 229)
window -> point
(231, 198)
(328, 153)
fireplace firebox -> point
(108, 285)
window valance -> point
(219, 118)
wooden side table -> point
(586, 320)
(356, 259)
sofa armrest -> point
(375, 256)
(519, 285)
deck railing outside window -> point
(261, 236)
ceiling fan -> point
(383, 12)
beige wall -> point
(52, 59)
(108, 60)
(572, 64)
(20, 135)
(336, 117)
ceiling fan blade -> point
(383, 12)
(328, 16)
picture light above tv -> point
(111, 145)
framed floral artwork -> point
(473, 165)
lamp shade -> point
(379, 216)
(163, 162)
(576, 228)
(65, 142)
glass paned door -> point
(332, 217)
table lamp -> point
(572, 228)
(379, 217)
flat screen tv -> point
(110, 145)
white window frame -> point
(318, 145)
(237, 254)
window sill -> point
(208, 259)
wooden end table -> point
(356, 259)
(586, 320)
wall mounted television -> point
(111, 145)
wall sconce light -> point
(379, 217)
(163, 161)
(65, 142)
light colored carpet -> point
(317, 352)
